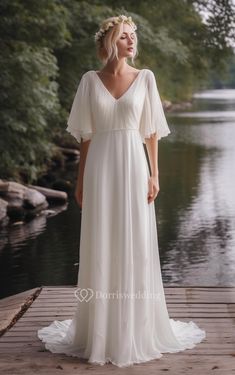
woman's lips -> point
(130, 49)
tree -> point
(28, 71)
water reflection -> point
(221, 95)
(46, 256)
(17, 235)
(200, 250)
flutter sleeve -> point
(153, 118)
(79, 122)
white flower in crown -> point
(116, 20)
(122, 17)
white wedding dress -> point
(121, 313)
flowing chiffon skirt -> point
(121, 315)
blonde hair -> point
(110, 31)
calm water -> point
(195, 210)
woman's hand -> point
(78, 194)
(153, 189)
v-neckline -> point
(109, 93)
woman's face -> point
(126, 43)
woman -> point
(121, 315)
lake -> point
(195, 210)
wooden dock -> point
(212, 308)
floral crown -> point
(115, 21)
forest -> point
(47, 46)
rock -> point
(22, 201)
(12, 190)
(33, 198)
(179, 106)
(166, 104)
(49, 212)
(13, 194)
(50, 194)
(70, 153)
(3, 210)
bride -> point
(121, 315)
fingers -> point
(153, 192)
(151, 198)
(150, 192)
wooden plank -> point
(42, 303)
(18, 304)
(209, 327)
(205, 351)
(222, 322)
(174, 307)
(197, 299)
(167, 290)
(46, 318)
(16, 297)
(170, 363)
(213, 309)
(174, 314)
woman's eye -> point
(123, 37)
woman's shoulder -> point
(149, 72)
(86, 74)
(85, 78)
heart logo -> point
(84, 294)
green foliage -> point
(46, 46)
(225, 80)
(29, 105)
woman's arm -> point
(84, 146)
(152, 149)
